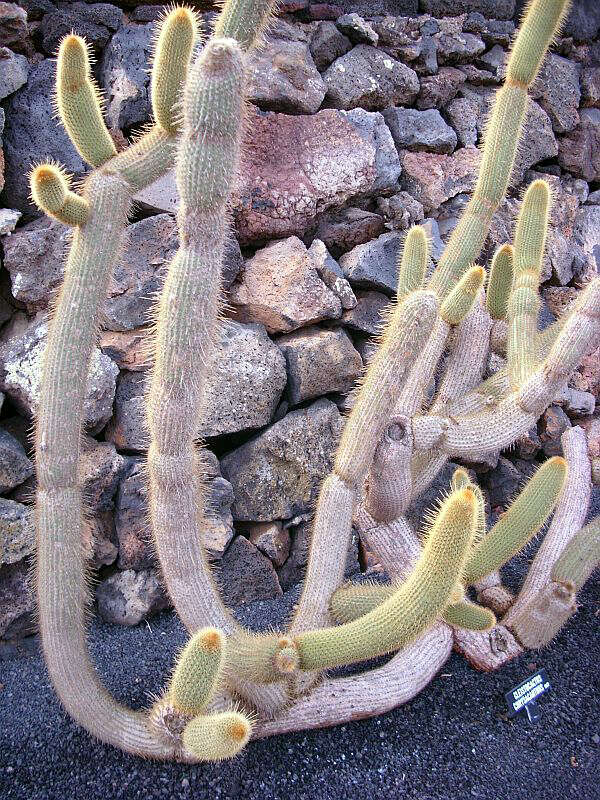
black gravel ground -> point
(452, 741)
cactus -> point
(229, 684)
(98, 217)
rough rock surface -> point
(374, 265)
(272, 539)
(282, 76)
(96, 22)
(17, 601)
(124, 76)
(245, 574)
(277, 474)
(128, 597)
(318, 362)
(15, 467)
(367, 78)
(298, 166)
(14, 69)
(328, 43)
(20, 372)
(432, 179)
(420, 130)
(17, 532)
(579, 150)
(281, 289)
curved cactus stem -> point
(246, 21)
(500, 282)
(413, 262)
(460, 300)
(78, 102)
(413, 607)
(524, 301)
(173, 51)
(368, 694)
(50, 192)
(568, 518)
(519, 524)
(487, 650)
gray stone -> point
(327, 44)
(342, 230)
(32, 133)
(293, 570)
(272, 539)
(358, 30)
(20, 373)
(131, 518)
(101, 468)
(590, 87)
(295, 167)
(401, 210)
(94, 21)
(8, 218)
(579, 150)
(575, 402)
(367, 315)
(368, 78)
(13, 72)
(587, 235)
(126, 598)
(558, 92)
(246, 381)
(594, 198)
(420, 130)
(139, 275)
(583, 21)
(554, 423)
(331, 273)
(15, 467)
(494, 59)
(502, 484)
(374, 265)
(437, 90)
(463, 115)
(245, 384)
(281, 288)
(245, 574)
(13, 29)
(456, 48)
(499, 9)
(125, 78)
(100, 540)
(276, 475)
(282, 76)
(17, 601)
(318, 362)
(17, 531)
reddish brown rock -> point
(432, 178)
(437, 90)
(296, 167)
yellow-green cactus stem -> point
(524, 301)
(51, 194)
(541, 22)
(519, 524)
(78, 102)
(197, 671)
(579, 558)
(217, 736)
(460, 300)
(469, 616)
(171, 62)
(413, 607)
(413, 261)
(500, 282)
(245, 21)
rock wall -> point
(359, 127)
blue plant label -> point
(524, 696)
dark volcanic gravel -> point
(452, 741)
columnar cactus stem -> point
(206, 163)
(500, 282)
(524, 301)
(413, 607)
(50, 191)
(540, 25)
(413, 262)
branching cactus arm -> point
(99, 218)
